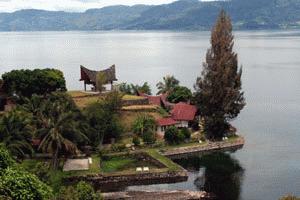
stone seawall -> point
(115, 182)
(161, 195)
(183, 152)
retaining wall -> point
(183, 152)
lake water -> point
(270, 160)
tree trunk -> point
(55, 159)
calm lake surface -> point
(269, 164)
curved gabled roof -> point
(90, 76)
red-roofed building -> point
(183, 113)
(160, 100)
(181, 116)
(163, 124)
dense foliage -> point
(81, 191)
(58, 123)
(18, 184)
(37, 81)
(145, 126)
(175, 136)
(218, 90)
(5, 159)
(167, 85)
(103, 119)
(144, 123)
(180, 94)
(149, 137)
(135, 89)
(16, 132)
(21, 185)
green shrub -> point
(67, 193)
(5, 159)
(85, 191)
(171, 135)
(82, 191)
(136, 141)
(186, 132)
(180, 137)
(21, 185)
(149, 137)
(174, 136)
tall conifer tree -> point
(218, 89)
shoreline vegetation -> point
(115, 138)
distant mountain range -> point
(180, 15)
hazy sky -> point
(69, 5)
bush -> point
(67, 193)
(149, 137)
(85, 191)
(81, 191)
(136, 141)
(37, 81)
(186, 132)
(5, 159)
(21, 185)
(171, 135)
(174, 136)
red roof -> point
(155, 100)
(183, 112)
(166, 122)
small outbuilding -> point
(163, 124)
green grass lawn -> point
(116, 163)
(55, 177)
(124, 164)
(171, 166)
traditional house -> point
(181, 116)
(90, 76)
(163, 124)
(184, 114)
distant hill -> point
(180, 15)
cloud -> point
(70, 5)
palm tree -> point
(16, 132)
(144, 123)
(59, 131)
(168, 84)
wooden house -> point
(89, 77)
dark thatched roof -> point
(90, 76)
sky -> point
(70, 5)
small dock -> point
(161, 195)
(181, 152)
